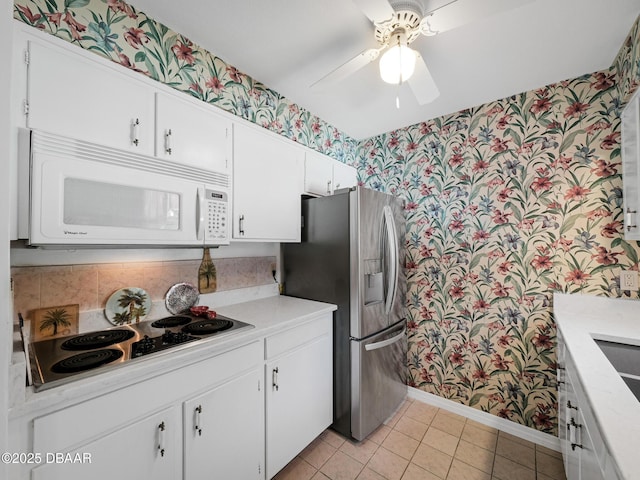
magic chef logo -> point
(69, 232)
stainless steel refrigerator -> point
(351, 255)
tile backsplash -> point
(90, 286)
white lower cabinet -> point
(147, 448)
(299, 393)
(242, 414)
(223, 433)
(584, 452)
(148, 431)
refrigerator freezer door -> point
(377, 276)
(377, 378)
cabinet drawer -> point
(283, 342)
(80, 423)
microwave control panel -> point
(216, 215)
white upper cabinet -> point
(318, 174)
(631, 167)
(76, 96)
(323, 175)
(192, 134)
(344, 176)
(266, 186)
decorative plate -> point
(127, 305)
(181, 297)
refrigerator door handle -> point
(392, 246)
(387, 342)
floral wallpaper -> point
(627, 64)
(119, 32)
(506, 203)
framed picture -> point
(52, 322)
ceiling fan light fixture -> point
(398, 63)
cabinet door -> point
(149, 448)
(267, 176)
(299, 402)
(631, 167)
(318, 174)
(192, 134)
(75, 96)
(224, 431)
(344, 176)
(589, 466)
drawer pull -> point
(197, 412)
(274, 379)
(167, 142)
(161, 429)
(134, 132)
(573, 427)
(629, 219)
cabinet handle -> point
(198, 411)
(629, 225)
(573, 427)
(167, 142)
(134, 132)
(241, 225)
(274, 379)
(571, 406)
(161, 429)
(329, 186)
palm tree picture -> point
(55, 321)
(132, 301)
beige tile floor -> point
(422, 442)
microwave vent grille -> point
(64, 146)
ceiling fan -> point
(397, 24)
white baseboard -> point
(520, 431)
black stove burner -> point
(86, 361)
(169, 322)
(207, 327)
(100, 339)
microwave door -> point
(76, 201)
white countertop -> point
(580, 319)
(268, 315)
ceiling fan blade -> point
(422, 84)
(376, 10)
(348, 68)
(461, 12)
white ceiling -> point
(290, 44)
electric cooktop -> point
(64, 359)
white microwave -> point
(75, 193)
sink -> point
(626, 360)
(633, 384)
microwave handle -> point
(199, 212)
